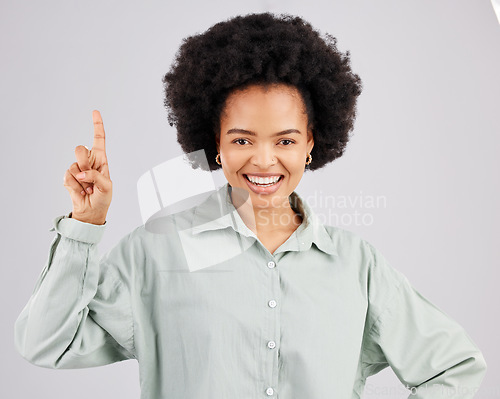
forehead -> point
(257, 100)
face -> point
(264, 142)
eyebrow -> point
(239, 131)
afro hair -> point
(262, 49)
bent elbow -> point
(31, 348)
(480, 364)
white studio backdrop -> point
(419, 178)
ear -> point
(310, 140)
(217, 138)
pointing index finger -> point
(99, 135)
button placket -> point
(274, 331)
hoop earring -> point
(309, 159)
(217, 159)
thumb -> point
(101, 182)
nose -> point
(264, 157)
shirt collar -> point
(218, 212)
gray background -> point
(426, 139)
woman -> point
(283, 306)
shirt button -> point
(271, 344)
(269, 391)
(271, 264)
(272, 303)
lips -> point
(263, 180)
(264, 183)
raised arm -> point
(80, 312)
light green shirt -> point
(209, 312)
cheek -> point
(295, 161)
(233, 160)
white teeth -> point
(264, 180)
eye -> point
(287, 142)
(238, 141)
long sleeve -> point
(57, 328)
(429, 352)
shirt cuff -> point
(77, 230)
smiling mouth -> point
(264, 181)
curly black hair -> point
(261, 49)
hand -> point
(91, 194)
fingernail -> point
(89, 190)
(80, 175)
